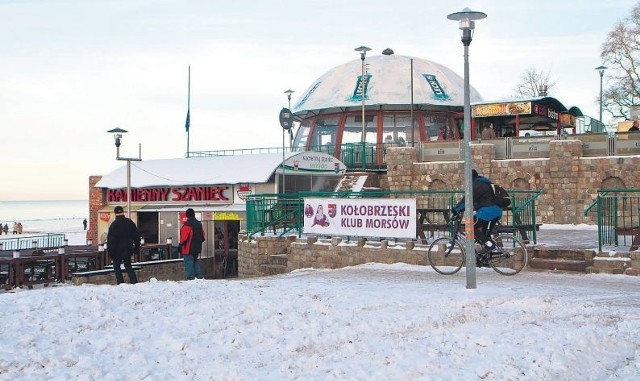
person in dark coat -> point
(122, 242)
(487, 213)
(191, 239)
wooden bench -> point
(499, 229)
(632, 231)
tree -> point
(532, 84)
(621, 55)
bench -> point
(499, 229)
(632, 231)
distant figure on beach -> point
(19, 227)
(15, 228)
(84, 223)
(6, 229)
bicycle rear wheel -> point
(446, 255)
(510, 255)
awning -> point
(239, 169)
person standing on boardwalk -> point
(191, 239)
(6, 229)
(122, 242)
(84, 223)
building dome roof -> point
(387, 85)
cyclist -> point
(486, 214)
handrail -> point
(26, 242)
(618, 215)
(372, 156)
(282, 213)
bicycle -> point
(447, 255)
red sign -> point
(170, 194)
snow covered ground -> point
(368, 322)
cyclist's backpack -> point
(500, 196)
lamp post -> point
(117, 137)
(284, 178)
(601, 70)
(289, 92)
(363, 52)
(466, 19)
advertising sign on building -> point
(375, 217)
(314, 163)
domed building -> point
(395, 89)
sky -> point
(70, 70)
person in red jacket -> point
(191, 239)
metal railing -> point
(618, 216)
(281, 214)
(373, 156)
(49, 240)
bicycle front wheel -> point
(446, 255)
(510, 255)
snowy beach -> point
(369, 322)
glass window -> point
(437, 127)
(397, 130)
(324, 135)
(353, 129)
(301, 135)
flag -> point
(186, 124)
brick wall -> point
(97, 200)
(569, 181)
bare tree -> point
(621, 53)
(534, 83)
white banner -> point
(370, 217)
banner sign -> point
(499, 109)
(374, 217)
(213, 194)
(314, 163)
(438, 91)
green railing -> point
(618, 216)
(356, 156)
(281, 214)
(50, 240)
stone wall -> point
(253, 254)
(169, 270)
(335, 253)
(568, 180)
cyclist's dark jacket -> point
(483, 200)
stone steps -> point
(277, 265)
(560, 259)
(558, 264)
(614, 263)
(267, 269)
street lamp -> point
(601, 70)
(285, 126)
(466, 19)
(289, 92)
(117, 137)
(363, 52)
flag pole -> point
(188, 122)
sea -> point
(50, 216)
